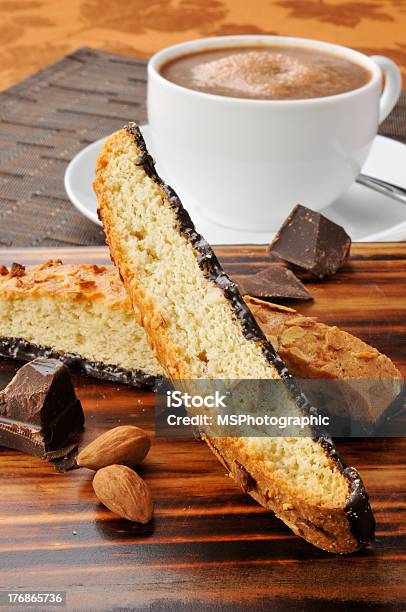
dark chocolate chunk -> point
(312, 242)
(66, 462)
(275, 282)
(40, 413)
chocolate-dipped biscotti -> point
(77, 313)
(200, 328)
(367, 381)
(101, 337)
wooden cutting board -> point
(208, 545)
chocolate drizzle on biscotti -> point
(358, 509)
(22, 350)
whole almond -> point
(123, 492)
(125, 445)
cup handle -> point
(393, 85)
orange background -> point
(34, 33)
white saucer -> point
(367, 216)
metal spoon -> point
(393, 191)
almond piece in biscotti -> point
(123, 492)
(125, 445)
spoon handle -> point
(393, 191)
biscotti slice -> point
(309, 348)
(79, 314)
(367, 381)
(201, 328)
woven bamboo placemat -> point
(49, 117)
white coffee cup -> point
(246, 162)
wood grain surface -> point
(209, 546)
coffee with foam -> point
(266, 72)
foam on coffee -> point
(277, 72)
(255, 73)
